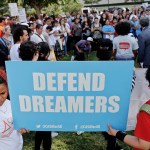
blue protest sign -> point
(70, 96)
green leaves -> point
(68, 6)
(3, 7)
(39, 4)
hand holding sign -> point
(111, 131)
(77, 97)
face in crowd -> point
(96, 20)
(39, 30)
(3, 87)
(107, 22)
(25, 36)
(13, 20)
(48, 22)
(7, 30)
(76, 21)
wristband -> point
(120, 135)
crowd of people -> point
(64, 32)
(119, 35)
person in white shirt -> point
(58, 36)
(10, 139)
(48, 22)
(49, 37)
(20, 36)
(37, 37)
(65, 30)
(124, 46)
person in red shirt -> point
(141, 138)
(2, 23)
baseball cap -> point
(90, 39)
(24, 24)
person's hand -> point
(8, 57)
(112, 58)
(111, 131)
(9, 47)
(23, 131)
(79, 51)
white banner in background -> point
(22, 15)
(140, 94)
(13, 9)
(145, 5)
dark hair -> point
(1, 19)
(44, 15)
(38, 26)
(114, 18)
(18, 32)
(148, 75)
(43, 50)
(49, 28)
(47, 18)
(142, 12)
(56, 21)
(27, 50)
(53, 17)
(12, 17)
(3, 78)
(44, 21)
(30, 23)
(36, 16)
(144, 22)
(32, 19)
(123, 28)
(103, 14)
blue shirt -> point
(83, 46)
(138, 30)
(107, 28)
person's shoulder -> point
(83, 41)
(145, 109)
(132, 38)
(44, 33)
(116, 38)
(45, 25)
(7, 103)
(33, 35)
(148, 102)
(111, 26)
(144, 34)
(15, 46)
(145, 30)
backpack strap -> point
(145, 108)
(39, 37)
(3, 42)
(96, 27)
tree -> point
(3, 7)
(53, 9)
(72, 7)
(39, 4)
(56, 9)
